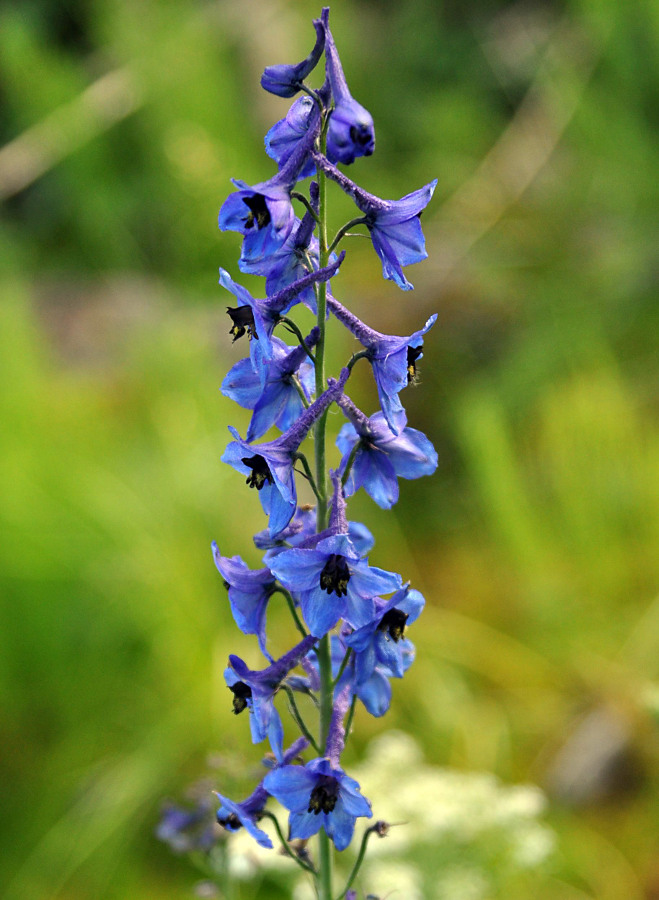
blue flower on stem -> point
(331, 579)
(257, 318)
(382, 642)
(233, 816)
(278, 402)
(263, 213)
(379, 457)
(285, 80)
(394, 225)
(320, 794)
(190, 829)
(285, 135)
(249, 592)
(255, 691)
(393, 359)
(269, 466)
(351, 132)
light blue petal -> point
(339, 825)
(375, 694)
(292, 786)
(305, 824)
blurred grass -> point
(535, 544)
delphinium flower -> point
(377, 457)
(296, 257)
(245, 814)
(249, 592)
(255, 691)
(333, 581)
(187, 829)
(393, 359)
(351, 132)
(269, 466)
(263, 213)
(382, 641)
(289, 377)
(314, 555)
(394, 225)
(320, 794)
(258, 317)
(286, 80)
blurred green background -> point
(536, 544)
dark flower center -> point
(393, 622)
(335, 576)
(260, 471)
(241, 694)
(258, 211)
(324, 796)
(362, 135)
(243, 321)
(413, 353)
(230, 821)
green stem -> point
(295, 381)
(358, 863)
(286, 846)
(291, 605)
(308, 473)
(363, 354)
(290, 324)
(295, 712)
(341, 233)
(351, 459)
(342, 668)
(351, 716)
(324, 880)
(296, 195)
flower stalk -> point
(352, 637)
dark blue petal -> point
(284, 80)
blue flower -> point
(286, 80)
(255, 691)
(393, 359)
(278, 401)
(381, 457)
(269, 466)
(188, 829)
(246, 814)
(285, 135)
(257, 318)
(249, 592)
(233, 816)
(319, 794)
(351, 132)
(394, 225)
(381, 642)
(333, 582)
(263, 213)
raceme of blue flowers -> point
(315, 560)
